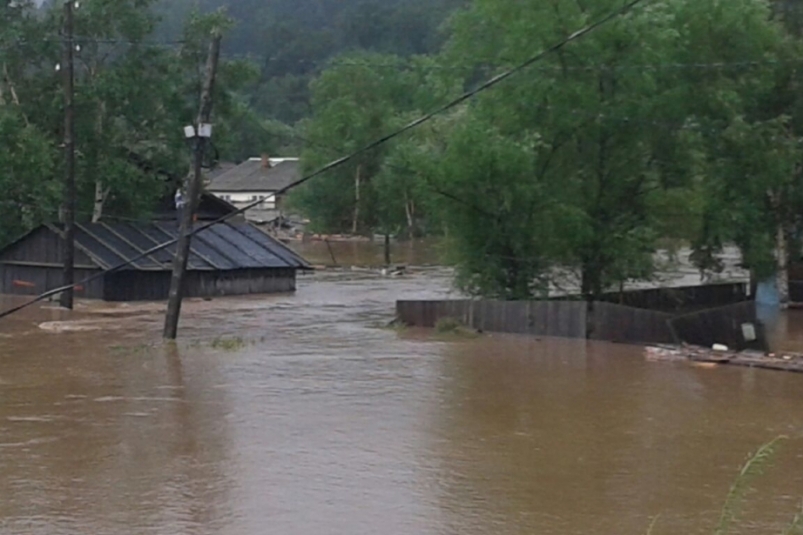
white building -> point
(258, 179)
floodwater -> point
(673, 269)
(302, 415)
(428, 251)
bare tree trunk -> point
(101, 195)
(781, 250)
(12, 91)
(356, 224)
(409, 209)
(782, 265)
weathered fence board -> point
(540, 318)
(796, 291)
(617, 323)
(609, 322)
(721, 326)
(683, 298)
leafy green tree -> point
(584, 139)
(132, 101)
(27, 151)
(357, 100)
(748, 115)
(27, 163)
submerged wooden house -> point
(232, 258)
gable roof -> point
(210, 208)
(252, 176)
(222, 247)
(219, 169)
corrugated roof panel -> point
(261, 254)
(276, 247)
(96, 249)
(164, 232)
(208, 241)
(221, 247)
(218, 258)
(113, 242)
(158, 236)
(143, 241)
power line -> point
(337, 163)
(466, 96)
(340, 61)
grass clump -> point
(454, 327)
(448, 325)
(740, 488)
(753, 468)
(228, 344)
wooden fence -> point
(684, 298)
(724, 325)
(629, 325)
(565, 319)
(607, 322)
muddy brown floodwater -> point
(298, 415)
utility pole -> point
(199, 133)
(68, 207)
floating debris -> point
(709, 358)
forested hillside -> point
(292, 40)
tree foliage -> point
(132, 100)
(293, 40)
(566, 158)
(359, 99)
(677, 121)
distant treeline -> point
(292, 40)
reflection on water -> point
(320, 422)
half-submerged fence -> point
(733, 324)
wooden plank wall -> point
(29, 280)
(796, 291)
(720, 326)
(155, 285)
(682, 298)
(609, 322)
(618, 323)
(240, 282)
(565, 319)
(42, 247)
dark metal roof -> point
(222, 247)
(252, 176)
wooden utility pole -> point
(68, 207)
(193, 192)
